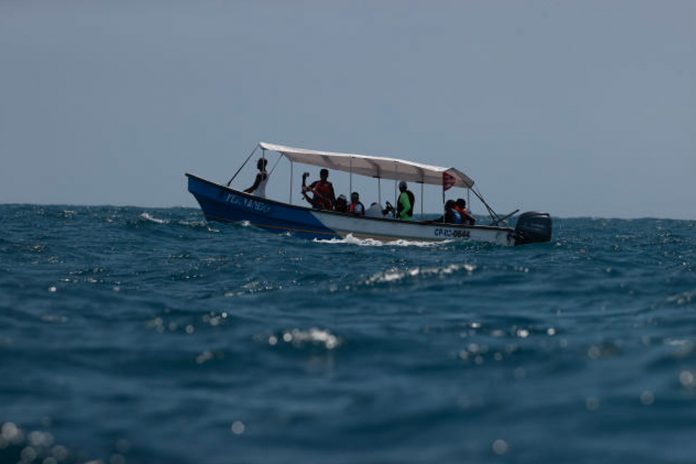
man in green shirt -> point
(405, 203)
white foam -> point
(148, 217)
(682, 298)
(394, 275)
(314, 335)
(351, 240)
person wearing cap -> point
(322, 190)
(356, 208)
(405, 202)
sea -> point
(144, 335)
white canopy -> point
(374, 166)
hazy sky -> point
(577, 108)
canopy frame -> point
(330, 160)
(373, 166)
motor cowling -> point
(533, 227)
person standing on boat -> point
(404, 205)
(259, 187)
(324, 196)
(356, 208)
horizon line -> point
(105, 205)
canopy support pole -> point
(491, 213)
(379, 191)
(244, 164)
(280, 155)
(422, 200)
(291, 164)
(502, 219)
(396, 198)
(350, 177)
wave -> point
(395, 275)
(370, 242)
(148, 217)
(189, 223)
(299, 338)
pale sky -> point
(578, 108)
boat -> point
(223, 203)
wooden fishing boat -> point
(223, 203)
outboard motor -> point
(533, 227)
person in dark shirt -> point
(356, 207)
(341, 205)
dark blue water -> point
(146, 335)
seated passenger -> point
(259, 187)
(341, 204)
(356, 208)
(451, 215)
(323, 192)
(467, 217)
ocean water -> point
(133, 335)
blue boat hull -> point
(224, 204)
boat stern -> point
(533, 227)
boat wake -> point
(370, 242)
